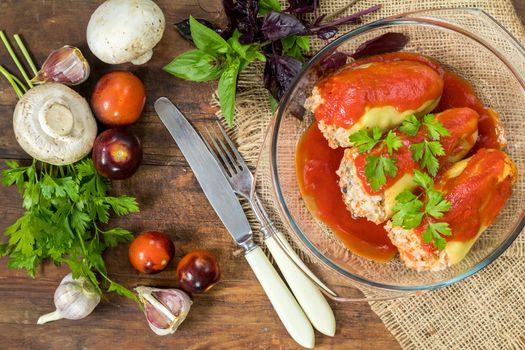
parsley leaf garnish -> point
(366, 140)
(63, 206)
(435, 129)
(410, 210)
(410, 126)
(377, 167)
(427, 151)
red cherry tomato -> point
(118, 99)
(151, 252)
(198, 271)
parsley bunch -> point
(64, 205)
(426, 151)
(410, 210)
(377, 167)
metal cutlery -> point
(241, 180)
(223, 200)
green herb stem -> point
(15, 58)
(19, 90)
(22, 48)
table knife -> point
(227, 206)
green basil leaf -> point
(249, 53)
(236, 45)
(195, 65)
(206, 39)
(266, 6)
(226, 90)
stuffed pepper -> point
(375, 204)
(475, 190)
(375, 94)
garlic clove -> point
(165, 309)
(74, 299)
(66, 65)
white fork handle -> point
(306, 292)
(290, 313)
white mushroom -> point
(54, 124)
(122, 31)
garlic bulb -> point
(165, 309)
(66, 65)
(74, 299)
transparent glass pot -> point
(467, 41)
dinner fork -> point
(241, 180)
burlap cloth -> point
(485, 311)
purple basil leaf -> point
(278, 25)
(326, 33)
(279, 72)
(242, 15)
(302, 6)
(183, 27)
(388, 42)
(335, 61)
(353, 18)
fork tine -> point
(227, 151)
(216, 149)
(240, 159)
(212, 151)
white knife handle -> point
(306, 292)
(290, 313)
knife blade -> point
(223, 200)
(205, 168)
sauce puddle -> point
(316, 165)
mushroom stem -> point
(143, 59)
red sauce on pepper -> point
(401, 56)
(459, 93)
(405, 85)
(477, 195)
(316, 165)
(461, 124)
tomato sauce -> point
(316, 165)
(459, 93)
(461, 124)
(405, 85)
(477, 195)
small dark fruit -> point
(151, 252)
(198, 271)
(117, 153)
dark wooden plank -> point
(235, 314)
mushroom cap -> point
(122, 31)
(54, 124)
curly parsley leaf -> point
(392, 142)
(376, 168)
(426, 153)
(435, 232)
(436, 206)
(366, 140)
(410, 126)
(63, 205)
(409, 211)
(435, 129)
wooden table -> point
(235, 313)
